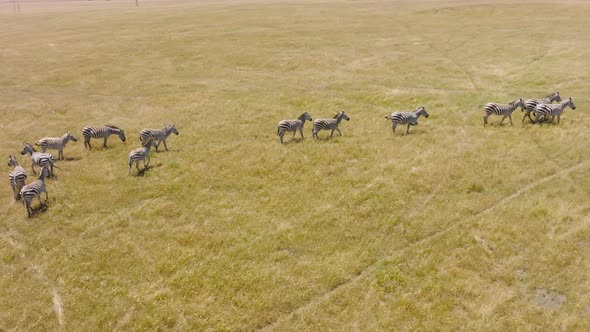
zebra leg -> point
(339, 132)
(281, 137)
(28, 206)
(504, 117)
(301, 132)
(46, 196)
(87, 143)
(510, 118)
(137, 165)
(294, 132)
(166, 147)
(408, 130)
(485, 120)
(332, 133)
(393, 125)
(33, 168)
(105, 142)
(60, 154)
(525, 115)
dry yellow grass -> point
(453, 227)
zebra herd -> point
(45, 161)
(543, 109)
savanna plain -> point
(452, 227)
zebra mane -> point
(111, 126)
(335, 116)
(553, 94)
(513, 102)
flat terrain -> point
(452, 227)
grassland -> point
(453, 227)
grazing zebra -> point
(293, 126)
(409, 118)
(101, 132)
(328, 124)
(530, 104)
(502, 109)
(34, 189)
(17, 177)
(40, 159)
(142, 153)
(157, 135)
(56, 143)
(553, 109)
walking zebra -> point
(328, 124)
(34, 189)
(40, 159)
(502, 109)
(17, 177)
(553, 109)
(142, 153)
(409, 118)
(530, 104)
(293, 126)
(56, 143)
(101, 132)
(157, 135)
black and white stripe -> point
(328, 124)
(17, 177)
(56, 143)
(142, 153)
(502, 109)
(40, 159)
(553, 110)
(34, 189)
(530, 104)
(157, 135)
(409, 118)
(101, 132)
(293, 126)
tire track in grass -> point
(313, 302)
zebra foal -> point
(40, 159)
(34, 189)
(293, 126)
(142, 153)
(530, 104)
(502, 109)
(328, 124)
(409, 118)
(56, 143)
(101, 132)
(157, 135)
(17, 177)
(553, 110)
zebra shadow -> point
(41, 208)
(72, 159)
(142, 171)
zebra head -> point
(122, 135)
(171, 129)
(555, 97)
(517, 103)
(422, 111)
(305, 117)
(69, 136)
(12, 161)
(341, 115)
(27, 149)
(570, 102)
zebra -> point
(553, 109)
(56, 143)
(17, 177)
(158, 135)
(142, 153)
(293, 125)
(40, 159)
(34, 189)
(101, 132)
(502, 109)
(530, 104)
(328, 124)
(410, 118)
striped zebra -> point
(34, 189)
(157, 135)
(409, 118)
(553, 110)
(56, 143)
(293, 126)
(502, 109)
(40, 159)
(328, 124)
(530, 104)
(101, 132)
(142, 153)
(17, 177)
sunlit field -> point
(455, 226)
